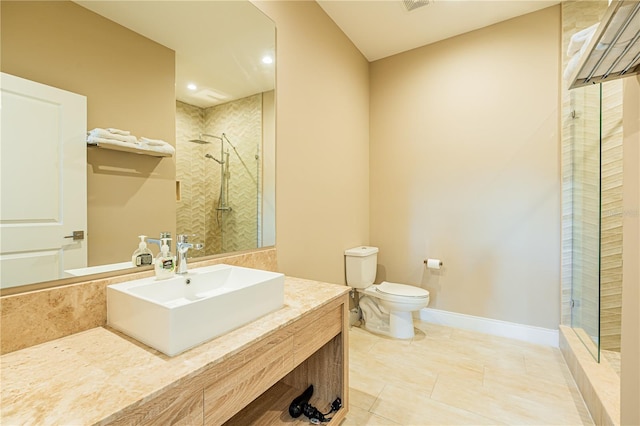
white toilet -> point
(387, 307)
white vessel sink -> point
(179, 313)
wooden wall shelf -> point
(132, 149)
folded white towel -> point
(581, 38)
(98, 139)
(571, 68)
(157, 145)
(154, 142)
(118, 131)
(105, 134)
(165, 149)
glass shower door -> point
(586, 195)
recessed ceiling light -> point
(267, 60)
(191, 86)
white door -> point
(43, 197)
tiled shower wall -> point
(199, 177)
(577, 178)
(241, 121)
(611, 218)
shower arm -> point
(210, 136)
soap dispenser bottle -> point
(142, 256)
(165, 263)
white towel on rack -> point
(165, 149)
(118, 131)
(137, 147)
(94, 139)
(157, 145)
(105, 134)
(153, 142)
(581, 38)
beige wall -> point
(66, 46)
(630, 356)
(322, 104)
(465, 168)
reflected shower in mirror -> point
(219, 168)
(173, 77)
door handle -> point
(76, 235)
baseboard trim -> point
(527, 333)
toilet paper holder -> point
(432, 261)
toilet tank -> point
(361, 263)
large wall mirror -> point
(199, 75)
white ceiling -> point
(381, 28)
(219, 45)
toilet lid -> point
(401, 290)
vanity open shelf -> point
(324, 369)
(271, 408)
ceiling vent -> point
(414, 4)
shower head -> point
(201, 139)
(214, 159)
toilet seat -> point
(394, 292)
(395, 289)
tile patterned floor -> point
(447, 376)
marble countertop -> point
(89, 377)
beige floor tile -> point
(450, 376)
(505, 405)
(364, 387)
(552, 371)
(397, 370)
(411, 405)
(444, 356)
(360, 339)
(562, 396)
(523, 384)
(388, 346)
(502, 353)
(430, 330)
(445, 362)
(543, 353)
(360, 417)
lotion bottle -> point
(165, 263)
(142, 256)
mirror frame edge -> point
(63, 282)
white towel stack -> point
(99, 135)
(157, 145)
(124, 138)
(577, 46)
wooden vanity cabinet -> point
(256, 385)
(320, 357)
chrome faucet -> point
(182, 246)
